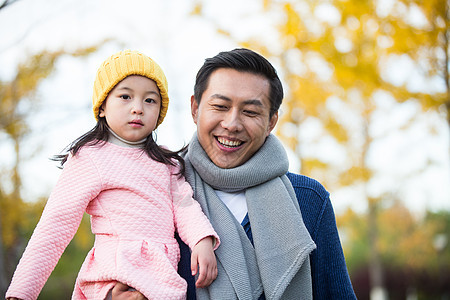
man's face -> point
(233, 116)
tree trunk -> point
(447, 62)
(377, 289)
(376, 277)
(3, 283)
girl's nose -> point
(137, 107)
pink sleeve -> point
(190, 221)
(78, 184)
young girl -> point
(134, 192)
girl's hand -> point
(203, 257)
(121, 292)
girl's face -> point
(132, 108)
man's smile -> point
(229, 143)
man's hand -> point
(203, 257)
(121, 292)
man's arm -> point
(328, 268)
(184, 268)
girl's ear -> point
(101, 110)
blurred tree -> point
(3, 281)
(5, 3)
(337, 57)
(17, 100)
(409, 247)
(420, 30)
(359, 43)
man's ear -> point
(272, 122)
(194, 109)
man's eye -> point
(220, 107)
(250, 113)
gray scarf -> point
(278, 264)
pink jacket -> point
(136, 204)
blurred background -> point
(366, 113)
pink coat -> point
(136, 204)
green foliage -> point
(354, 228)
(418, 249)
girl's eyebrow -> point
(124, 88)
(131, 90)
(153, 92)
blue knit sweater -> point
(330, 277)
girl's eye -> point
(150, 100)
(125, 97)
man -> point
(278, 232)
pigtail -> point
(164, 155)
(98, 134)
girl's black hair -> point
(99, 135)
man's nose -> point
(232, 121)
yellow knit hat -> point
(123, 64)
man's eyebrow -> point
(256, 102)
(220, 96)
(253, 102)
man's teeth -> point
(229, 143)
